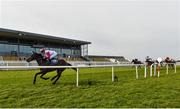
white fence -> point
(155, 68)
(17, 63)
(96, 63)
(78, 68)
(88, 66)
(74, 63)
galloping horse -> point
(149, 63)
(43, 62)
(170, 62)
(136, 61)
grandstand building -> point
(20, 43)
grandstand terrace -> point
(17, 45)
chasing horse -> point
(43, 61)
(136, 61)
(149, 61)
(170, 62)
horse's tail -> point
(68, 64)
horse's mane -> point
(38, 54)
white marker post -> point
(151, 70)
(167, 69)
(136, 72)
(158, 69)
(174, 68)
(77, 77)
(154, 69)
(112, 74)
(145, 71)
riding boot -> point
(54, 61)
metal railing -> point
(78, 66)
(74, 63)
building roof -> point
(8, 33)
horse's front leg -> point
(36, 76)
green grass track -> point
(17, 90)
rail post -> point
(154, 69)
(167, 69)
(174, 68)
(151, 70)
(136, 72)
(145, 71)
(112, 74)
(158, 68)
(77, 77)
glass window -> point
(1, 47)
(77, 52)
(53, 49)
(8, 48)
(72, 52)
(58, 50)
(66, 51)
(25, 49)
(37, 50)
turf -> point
(95, 90)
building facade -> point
(19, 43)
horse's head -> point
(173, 61)
(34, 56)
(133, 61)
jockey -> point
(148, 59)
(136, 59)
(50, 55)
(167, 59)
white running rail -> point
(90, 66)
(78, 68)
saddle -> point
(52, 62)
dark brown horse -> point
(170, 62)
(150, 62)
(43, 62)
(136, 61)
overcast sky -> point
(131, 28)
